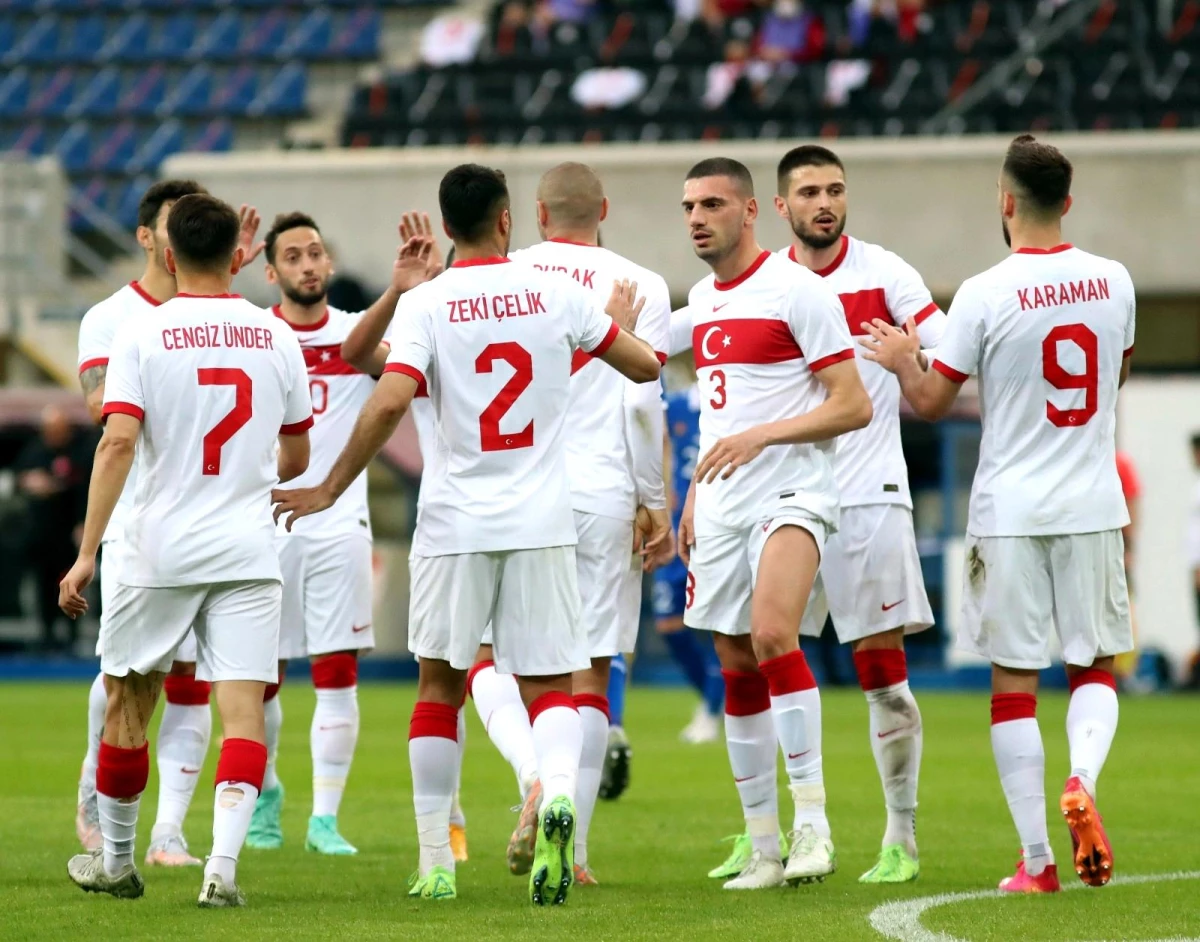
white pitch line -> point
(902, 920)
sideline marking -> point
(902, 920)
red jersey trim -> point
(949, 372)
(1127, 353)
(1051, 251)
(278, 312)
(184, 294)
(144, 294)
(817, 365)
(833, 266)
(470, 262)
(926, 312)
(865, 306)
(607, 342)
(103, 361)
(296, 428)
(123, 408)
(754, 266)
(586, 245)
(410, 371)
(662, 357)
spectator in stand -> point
(53, 472)
(549, 12)
(789, 33)
(904, 16)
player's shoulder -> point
(1105, 265)
(881, 261)
(117, 306)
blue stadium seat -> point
(358, 37)
(74, 148)
(84, 40)
(220, 40)
(237, 92)
(263, 35)
(311, 38)
(38, 43)
(8, 35)
(214, 136)
(174, 37)
(190, 95)
(129, 42)
(54, 94)
(116, 148)
(284, 94)
(128, 199)
(14, 93)
(165, 140)
(98, 97)
(29, 139)
(146, 92)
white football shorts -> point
(610, 583)
(870, 576)
(724, 568)
(531, 598)
(236, 626)
(326, 594)
(1018, 589)
(110, 576)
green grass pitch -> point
(650, 849)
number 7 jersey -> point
(493, 341)
(1046, 332)
(214, 382)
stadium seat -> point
(14, 93)
(145, 94)
(53, 94)
(129, 42)
(174, 37)
(284, 93)
(220, 40)
(37, 44)
(212, 137)
(74, 148)
(358, 36)
(264, 35)
(162, 142)
(236, 92)
(311, 38)
(98, 97)
(190, 94)
(85, 39)
(116, 148)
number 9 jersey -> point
(1046, 332)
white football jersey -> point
(493, 341)
(759, 342)
(214, 381)
(875, 283)
(97, 331)
(1046, 332)
(599, 458)
(338, 392)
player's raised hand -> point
(729, 454)
(624, 305)
(70, 590)
(412, 266)
(418, 224)
(888, 345)
(300, 502)
(250, 221)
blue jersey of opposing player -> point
(683, 429)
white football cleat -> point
(761, 873)
(215, 894)
(87, 872)
(703, 728)
(171, 852)
(812, 858)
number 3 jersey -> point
(759, 342)
(1046, 332)
(338, 391)
(214, 382)
(493, 340)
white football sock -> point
(118, 824)
(506, 721)
(896, 741)
(433, 759)
(273, 723)
(333, 736)
(1021, 762)
(182, 744)
(753, 747)
(97, 707)
(594, 724)
(1091, 726)
(558, 743)
(233, 807)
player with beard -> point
(326, 561)
(186, 724)
(870, 578)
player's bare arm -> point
(898, 351)
(92, 382)
(847, 407)
(114, 458)
(415, 263)
(294, 451)
(380, 416)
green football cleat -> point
(323, 837)
(554, 857)
(739, 857)
(438, 883)
(265, 832)
(895, 865)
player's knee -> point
(735, 653)
(333, 671)
(183, 669)
(240, 704)
(884, 641)
(438, 682)
(774, 636)
(1013, 680)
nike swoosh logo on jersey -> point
(888, 608)
(357, 628)
(797, 755)
(717, 307)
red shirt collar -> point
(832, 266)
(144, 294)
(184, 294)
(278, 312)
(1053, 251)
(586, 245)
(754, 266)
(470, 262)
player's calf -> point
(266, 827)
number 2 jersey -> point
(214, 382)
(493, 341)
(759, 341)
(1046, 332)
(338, 391)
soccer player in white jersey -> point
(203, 386)
(777, 384)
(492, 341)
(1048, 332)
(186, 725)
(870, 578)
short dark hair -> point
(724, 167)
(1196, 439)
(471, 198)
(203, 231)
(806, 155)
(164, 191)
(1040, 172)
(283, 222)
